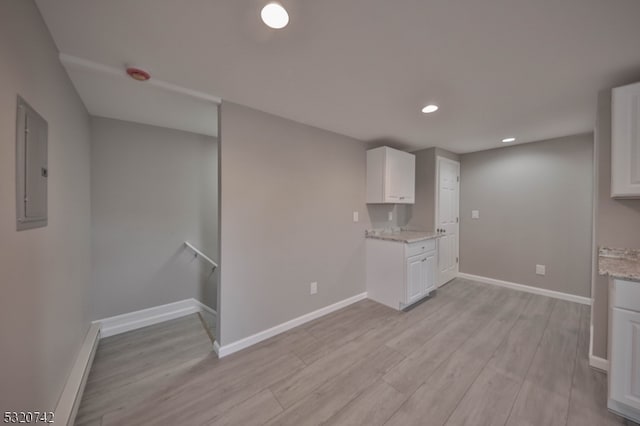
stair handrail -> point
(197, 253)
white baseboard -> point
(285, 326)
(595, 361)
(529, 289)
(203, 307)
(69, 401)
(138, 319)
(624, 410)
(599, 363)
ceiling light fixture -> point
(507, 140)
(430, 108)
(275, 16)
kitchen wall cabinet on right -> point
(625, 142)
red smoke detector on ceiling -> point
(138, 74)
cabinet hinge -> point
(457, 219)
(456, 260)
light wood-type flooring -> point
(473, 354)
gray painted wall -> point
(617, 223)
(288, 195)
(422, 214)
(151, 189)
(535, 203)
(44, 273)
(379, 215)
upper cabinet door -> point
(391, 176)
(625, 142)
(400, 177)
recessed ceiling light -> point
(430, 108)
(275, 16)
(507, 140)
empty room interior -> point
(356, 212)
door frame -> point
(439, 160)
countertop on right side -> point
(402, 235)
(619, 263)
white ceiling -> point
(110, 92)
(525, 68)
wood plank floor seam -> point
(477, 330)
(573, 373)
(528, 368)
(485, 365)
(363, 391)
(206, 328)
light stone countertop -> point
(402, 235)
(618, 263)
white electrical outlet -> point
(356, 216)
(390, 215)
(313, 288)
(475, 214)
(541, 270)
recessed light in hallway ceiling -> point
(430, 108)
(507, 140)
(275, 16)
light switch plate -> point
(541, 269)
(390, 216)
(356, 217)
(475, 214)
(313, 288)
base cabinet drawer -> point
(420, 247)
(625, 295)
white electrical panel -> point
(31, 168)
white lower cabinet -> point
(400, 274)
(430, 265)
(415, 278)
(624, 349)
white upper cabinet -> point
(391, 176)
(625, 142)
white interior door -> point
(447, 217)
